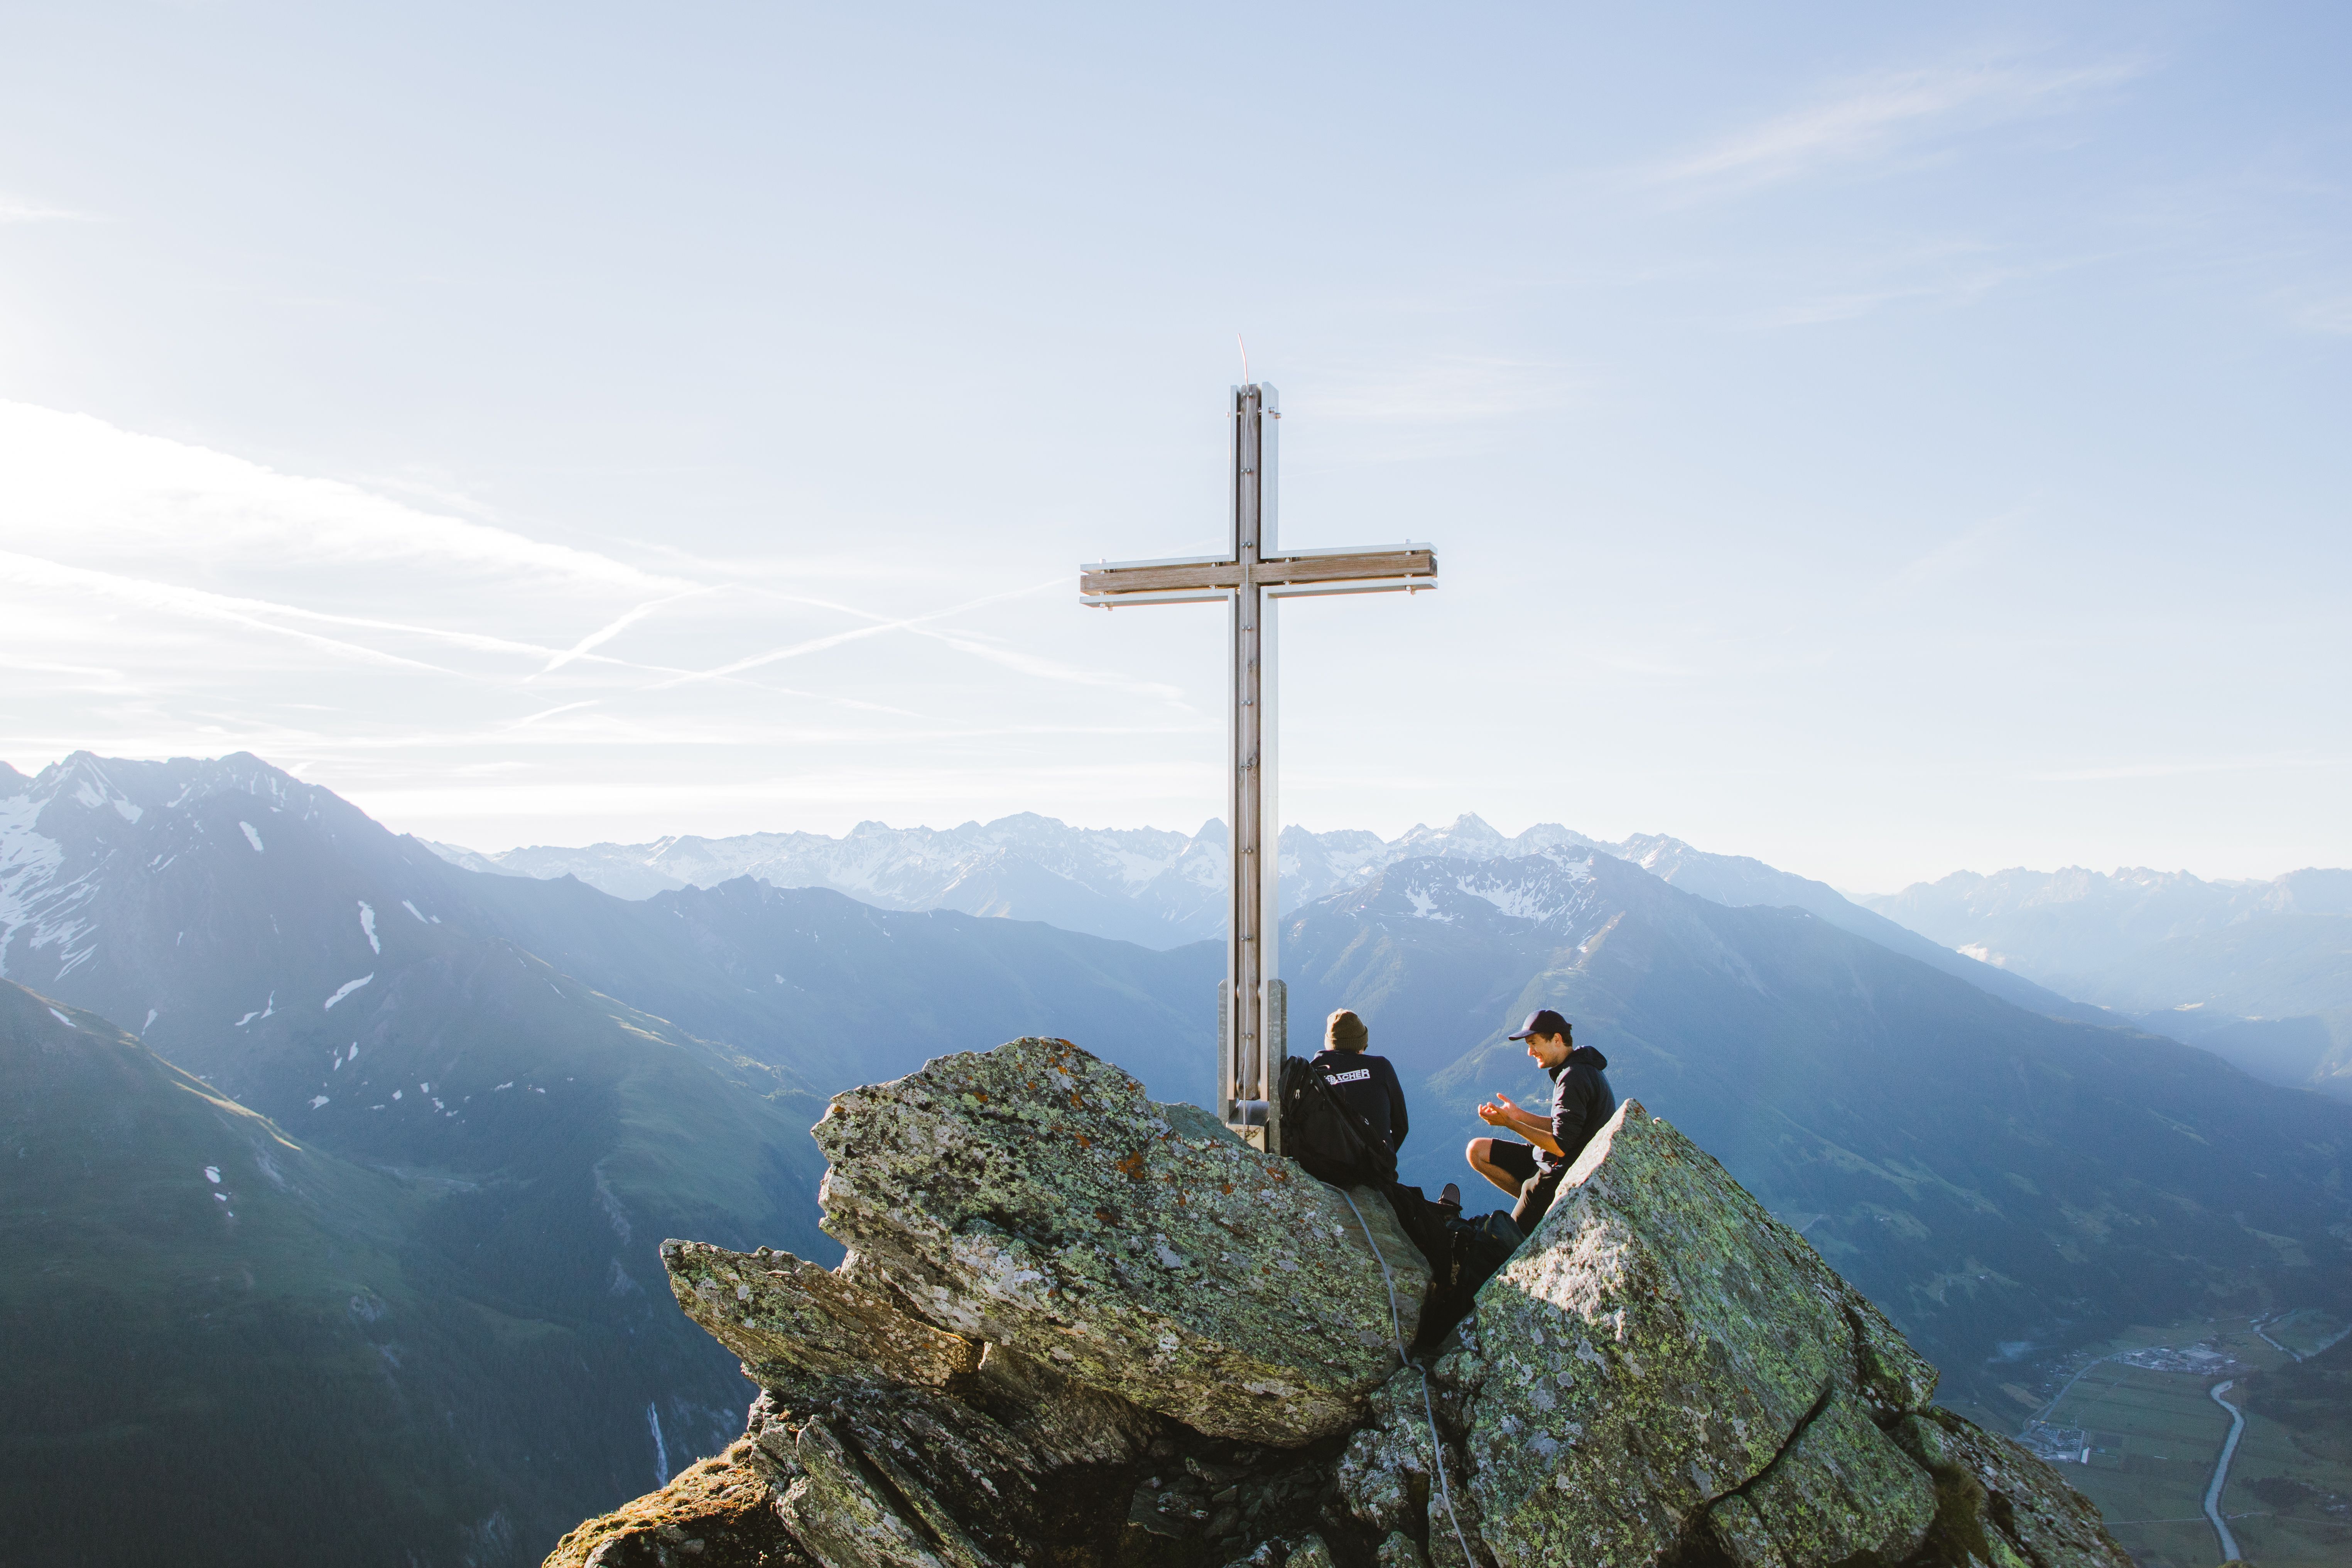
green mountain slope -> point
(442, 1357)
(199, 1334)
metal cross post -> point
(1250, 1037)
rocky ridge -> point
(1078, 1328)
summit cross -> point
(1252, 1040)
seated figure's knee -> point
(1480, 1151)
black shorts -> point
(1518, 1160)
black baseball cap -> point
(1542, 1021)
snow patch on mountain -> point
(27, 862)
(347, 988)
(251, 837)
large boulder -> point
(1031, 1196)
(1665, 1362)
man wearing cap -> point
(1582, 1104)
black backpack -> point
(1327, 1135)
(1472, 1251)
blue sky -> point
(1878, 441)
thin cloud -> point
(43, 666)
(879, 625)
(16, 209)
(1873, 116)
(33, 571)
(144, 496)
(607, 633)
(551, 712)
(36, 571)
(1050, 669)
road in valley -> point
(2221, 1470)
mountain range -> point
(466, 1155)
(1998, 1179)
(2259, 972)
(1161, 888)
(468, 1107)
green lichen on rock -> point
(1386, 1477)
(718, 1513)
(1654, 1345)
(2001, 1506)
(1663, 1362)
(785, 1315)
(1840, 1492)
(1033, 1197)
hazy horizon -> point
(496, 848)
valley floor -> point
(2133, 1426)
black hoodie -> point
(1582, 1104)
(1369, 1084)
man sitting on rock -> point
(1582, 1104)
(1366, 1084)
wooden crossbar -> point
(1161, 577)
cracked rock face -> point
(1083, 1330)
(1665, 1362)
(1031, 1196)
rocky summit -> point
(1079, 1329)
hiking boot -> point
(1451, 1196)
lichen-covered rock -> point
(1384, 1474)
(1016, 1465)
(783, 1315)
(1031, 1196)
(1079, 1330)
(1840, 1492)
(1998, 1505)
(717, 1514)
(1312, 1551)
(1656, 1344)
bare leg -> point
(1481, 1155)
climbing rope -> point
(1429, 1406)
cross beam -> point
(1252, 1040)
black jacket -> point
(1582, 1104)
(1370, 1087)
